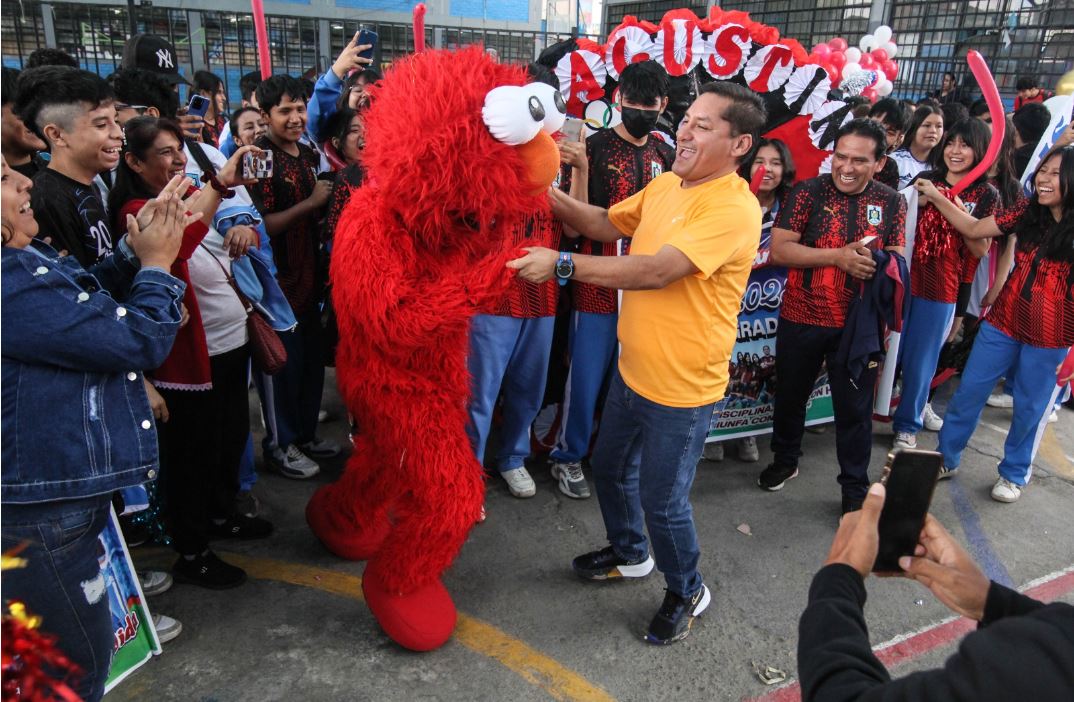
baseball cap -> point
(152, 53)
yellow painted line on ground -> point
(481, 637)
(1051, 452)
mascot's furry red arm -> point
(457, 153)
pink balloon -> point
(879, 55)
(837, 59)
(890, 69)
(867, 62)
(838, 44)
(822, 50)
(869, 94)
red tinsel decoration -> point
(27, 651)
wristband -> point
(213, 181)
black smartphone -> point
(368, 36)
(198, 106)
(909, 478)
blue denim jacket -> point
(76, 418)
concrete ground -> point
(530, 630)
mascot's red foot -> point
(339, 535)
(421, 620)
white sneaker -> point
(322, 416)
(713, 451)
(747, 450)
(1000, 399)
(930, 420)
(167, 627)
(293, 464)
(154, 582)
(519, 482)
(320, 448)
(1006, 491)
(571, 479)
(1053, 417)
(904, 440)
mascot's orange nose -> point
(541, 156)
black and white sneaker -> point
(570, 479)
(775, 476)
(606, 564)
(207, 570)
(672, 623)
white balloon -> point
(884, 87)
(853, 55)
(851, 67)
(882, 34)
(891, 48)
(868, 43)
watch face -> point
(564, 269)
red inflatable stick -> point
(1066, 369)
(419, 28)
(995, 110)
(755, 181)
(264, 54)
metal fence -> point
(224, 42)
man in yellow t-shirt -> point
(695, 234)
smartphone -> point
(198, 106)
(367, 36)
(910, 478)
(257, 168)
(571, 129)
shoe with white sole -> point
(713, 451)
(1006, 491)
(519, 482)
(155, 582)
(676, 615)
(1000, 399)
(1053, 417)
(320, 448)
(747, 450)
(904, 440)
(292, 463)
(606, 564)
(930, 420)
(570, 479)
(167, 628)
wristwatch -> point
(564, 267)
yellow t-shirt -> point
(677, 341)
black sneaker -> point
(606, 563)
(239, 526)
(207, 570)
(851, 504)
(775, 476)
(672, 623)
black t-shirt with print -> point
(72, 215)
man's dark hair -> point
(979, 107)
(870, 129)
(542, 74)
(207, 81)
(1027, 83)
(1030, 121)
(7, 86)
(248, 84)
(370, 74)
(234, 121)
(954, 112)
(891, 112)
(58, 94)
(746, 113)
(50, 57)
(928, 102)
(137, 86)
(270, 93)
(644, 82)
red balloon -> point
(838, 59)
(822, 50)
(890, 69)
(813, 58)
(838, 44)
(867, 62)
(879, 55)
(834, 74)
(869, 94)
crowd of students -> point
(138, 243)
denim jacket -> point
(76, 418)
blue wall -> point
(516, 10)
(403, 6)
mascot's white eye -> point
(513, 114)
(555, 109)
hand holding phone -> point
(571, 129)
(367, 37)
(909, 480)
(198, 106)
(257, 167)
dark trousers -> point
(292, 398)
(800, 351)
(201, 446)
(62, 581)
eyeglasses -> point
(125, 106)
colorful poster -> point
(135, 638)
(747, 406)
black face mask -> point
(639, 123)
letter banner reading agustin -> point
(747, 406)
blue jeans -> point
(62, 581)
(1034, 394)
(512, 354)
(594, 347)
(922, 339)
(643, 466)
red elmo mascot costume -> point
(457, 153)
